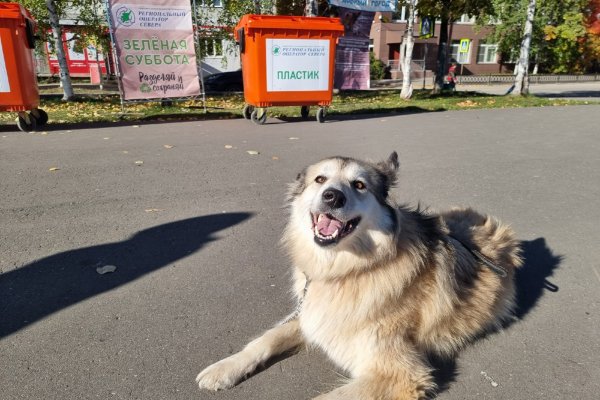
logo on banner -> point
(276, 50)
(125, 16)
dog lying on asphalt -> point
(381, 286)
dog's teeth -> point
(320, 217)
(334, 235)
(317, 231)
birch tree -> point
(522, 67)
(65, 78)
(407, 49)
(311, 9)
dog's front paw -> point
(224, 374)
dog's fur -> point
(396, 288)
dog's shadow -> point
(531, 282)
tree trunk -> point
(311, 9)
(406, 53)
(65, 78)
(257, 9)
(442, 58)
(522, 75)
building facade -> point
(218, 50)
(481, 57)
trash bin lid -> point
(253, 21)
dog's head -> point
(341, 204)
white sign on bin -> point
(4, 84)
(297, 65)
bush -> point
(378, 68)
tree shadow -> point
(569, 94)
(360, 113)
(43, 287)
(531, 284)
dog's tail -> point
(485, 234)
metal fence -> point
(419, 72)
(533, 79)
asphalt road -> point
(193, 233)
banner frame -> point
(155, 99)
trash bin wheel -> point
(304, 112)
(26, 123)
(259, 116)
(40, 116)
(321, 114)
(247, 111)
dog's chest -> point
(334, 318)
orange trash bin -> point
(18, 78)
(287, 61)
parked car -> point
(224, 82)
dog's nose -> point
(334, 198)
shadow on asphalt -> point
(35, 291)
(532, 279)
(531, 283)
(150, 120)
(361, 113)
(575, 93)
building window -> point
(399, 15)
(465, 19)
(211, 48)
(211, 3)
(461, 58)
(486, 53)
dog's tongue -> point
(327, 226)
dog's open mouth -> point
(329, 230)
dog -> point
(380, 286)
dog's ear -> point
(297, 187)
(392, 163)
(389, 169)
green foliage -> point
(558, 32)
(89, 16)
(452, 9)
(565, 43)
(378, 68)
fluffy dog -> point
(381, 286)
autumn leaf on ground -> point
(467, 103)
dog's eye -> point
(320, 179)
(359, 185)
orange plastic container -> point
(287, 60)
(18, 79)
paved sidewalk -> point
(586, 91)
(192, 221)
